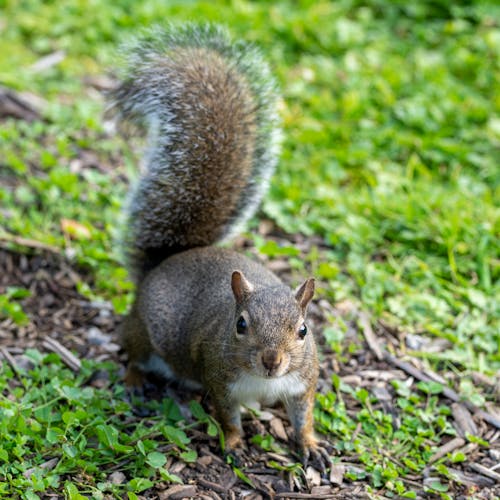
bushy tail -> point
(208, 106)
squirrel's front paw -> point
(315, 453)
(233, 440)
(233, 446)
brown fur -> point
(218, 148)
(209, 108)
(186, 312)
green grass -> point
(392, 131)
(80, 431)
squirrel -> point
(205, 314)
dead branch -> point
(447, 448)
(370, 337)
(25, 242)
(67, 357)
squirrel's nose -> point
(271, 360)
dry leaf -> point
(75, 230)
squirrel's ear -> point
(305, 294)
(242, 288)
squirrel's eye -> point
(241, 325)
(302, 331)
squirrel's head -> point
(270, 335)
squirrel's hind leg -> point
(134, 339)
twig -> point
(370, 337)
(470, 479)
(67, 357)
(48, 61)
(8, 357)
(278, 457)
(391, 458)
(485, 471)
(26, 242)
(48, 465)
(463, 419)
(447, 448)
(212, 486)
(22, 106)
(488, 417)
(469, 448)
(415, 484)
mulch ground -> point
(88, 329)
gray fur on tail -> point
(208, 107)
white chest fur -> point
(250, 388)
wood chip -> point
(279, 266)
(488, 417)
(228, 480)
(265, 416)
(210, 485)
(385, 375)
(278, 429)
(352, 380)
(48, 61)
(321, 490)
(370, 337)
(117, 477)
(66, 356)
(471, 479)
(215, 458)
(278, 457)
(18, 105)
(100, 82)
(382, 394)
(485, 471)
(313, 477)
(204, 460)
(337, 472)
(252, 495)
(178, 492)
(177, 468)
(463, 420)
(482, 379)
(48, 465)
(447, 448)
(469, 448)
(436, 377)
(492, 435)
